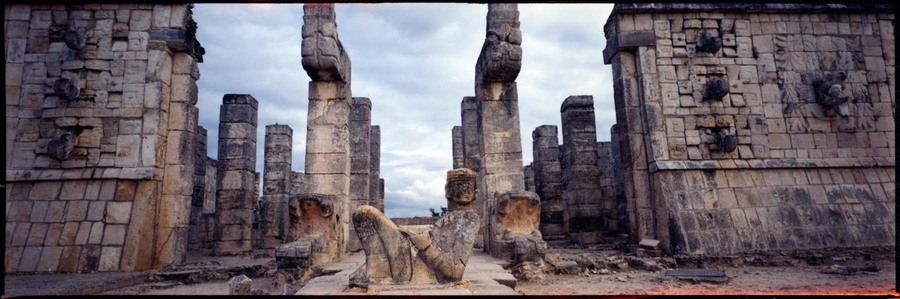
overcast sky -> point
(415, 62)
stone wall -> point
(101, 128)
(755, 126)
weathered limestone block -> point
(313, 219)
(439, 255)
(548, 182)
(293, 255)
(239, 285)
(274, 221)
(323, 54)
(579, 170)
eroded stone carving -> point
(716, 89)
(396, 255)
(829, 90)
(709, 43)
(324, 58)
(75, 38)
(66, 88)
(501, 54)
(62, 147)
(727, 142)
(313, 219)
(515, 227)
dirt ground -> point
(608, 271)
(802, 280)
(793, 277)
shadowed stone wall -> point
(101, 124)
(748, 127)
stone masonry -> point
(327, 169)
(580, 173)
(236, 200)
(471, 153)
(458, 159)
(606, 183)
(101, 123)
(756, 127)
(376, 191)
(548, 182)
(499, 146)
(528, 173)
(276, 186)
(360, 178)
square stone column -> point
(276, 186)
(548, 182)
(235, 200)
(376, 191)
(579, 168)
(360, 152)
(457, 144)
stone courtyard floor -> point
(600, 271)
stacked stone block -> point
(458, 160)
(471, 152)
(199, 193)
(782, 124)
(618, 186)
(276, 186)
(376, 191)
(327, 169)
(101, 129)
(360, 152)
(606, 183)
(580, 174)
(528, 173)
(548, 182)
(235, 195)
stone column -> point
(276, 185)
(579, 166)
(548, 182)
(458, 160)
(472, 155)
(360, 151)
(528, 172)
(199, 194)
(327, 169)
(618, 187)
(607, 188)
(496, 70)
(237, 164)
(376, 192)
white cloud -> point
(415, 62)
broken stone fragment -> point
(239, 285)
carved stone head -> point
(460, 186)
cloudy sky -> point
(415, 62)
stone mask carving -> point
(716, 89)
(829, 89)
(726, 142)
(62, 147)
(460, 187)
(709, 43)
(75, 38)
(66, 88)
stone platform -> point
(484, 275)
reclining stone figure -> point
(398, 256)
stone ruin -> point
(768, 164)
(740, 128)
(439, 254)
